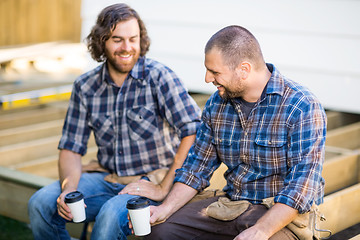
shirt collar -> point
(138, 71)
(275, 84)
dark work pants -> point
(190, 223)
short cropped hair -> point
(106, 22)
(236, 44)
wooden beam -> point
(48, 167)
(341, 209)
(341, 172)
(357, 237)
(31, 150)
(340, 119)
(218, 181)
(30, 132)
(27, 151)
(16, 189)
(24, 179)
(345, 137)
(23, 118)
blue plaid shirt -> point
(278, 151)
(137, 126)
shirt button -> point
(246, 133)
(269, 142)
(120, 152)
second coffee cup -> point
(139, 211)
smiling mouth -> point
(125, 55)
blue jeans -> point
(104, 206)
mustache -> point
(124, 52)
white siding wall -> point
(314, 42)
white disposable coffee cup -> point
(75, 201)
(139, 211)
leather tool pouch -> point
(304, 226)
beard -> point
(120, 65)
(235, 88)
(228, 94)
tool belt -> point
(304, 226)
(155, 176)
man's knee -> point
(35, 203)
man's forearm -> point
(276, 218)
(69, 169)
(180, 194)
(179, 159)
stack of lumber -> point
(39, 73)
(28, 161)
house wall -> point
(314, 42)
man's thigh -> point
(96, 192)
(191, 222)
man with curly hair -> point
(143, 120)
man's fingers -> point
(63, 209)
(130, 224)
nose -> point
(126, 46)
(209, 78)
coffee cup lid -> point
(137, 202)
(73, 197)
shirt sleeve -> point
(76, 132)
(176, 105)
(202, 159)
(303, 183)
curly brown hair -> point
(106, 22)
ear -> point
(244, 69)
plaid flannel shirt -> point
(278, 151)
(137, 126)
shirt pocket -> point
(271, 141)
(103, 130)
(272, 151)
(227, 150)
(142, 122)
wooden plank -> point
(39, 21)
(31, 150)
(341, 172)
(48, 167)
(345, 137)
(340, 119)
(332, 152)
(16, 189)
(23, 118)
(218, 181)
(357, 237)
(200, 99)
(30, 132)
(13, 200)
(23, 179)
(26, 151)
(341, 209)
